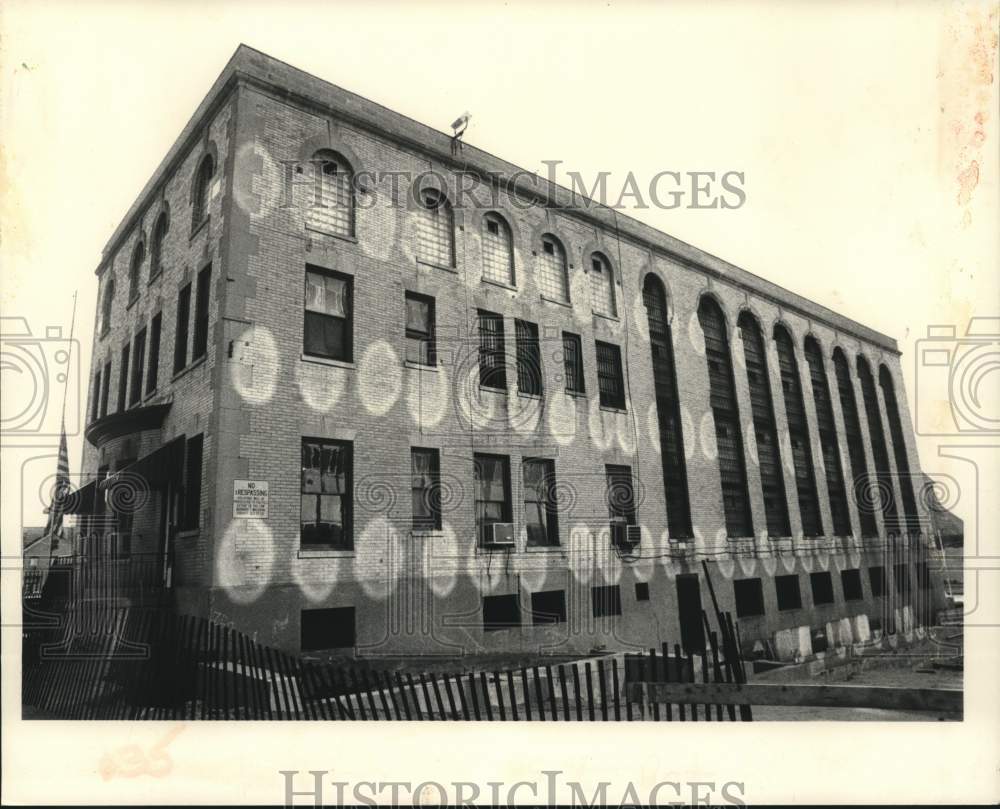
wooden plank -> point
(816, 696)
(527, 694)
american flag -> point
(60, 492)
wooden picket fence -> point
(148, 663)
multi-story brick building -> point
(358, 408)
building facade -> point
(359, 409)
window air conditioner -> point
(500, 535)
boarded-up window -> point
(749, 595)
(501, 612)
(331, 628)
(850, 582)
(498, 250)
(548, 607)
(553, 278)
(822, 587)
(332, 208)
(602, 286)
(435, 229)
(786, 588)
(326, 510)
(606, 600)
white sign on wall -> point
(249, 498)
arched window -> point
(772, 478)
(912, 520)
(332, 206)
(602, 286)
(156, 245)
(498, 250)
(725, 412)
(435, 229)
(675, 484)
(106, 301)
(798, 432)
(553, 278)
(202, 181)
(880, 452)
(135, 270)
(828, 442)
(855, 444)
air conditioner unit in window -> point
(624, 535)
(499, 535)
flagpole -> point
(72, 325)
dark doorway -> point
(689, 613)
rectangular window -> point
(327, 489)
(106, 389)
(492, 492)
(192, 483)
(877, 580)
(204, 291)
(749, 594)
(573, 363)
(606, 600)
(154, 353)
(822, 587)
(492, 351)
(642, 591)
(501, 612)
(425, 471)
(529, 358)
(181, 334)
(138, 363)
(331, 628)
(621, 494)
(329, 323)
(95, 402)
(548, 607)
(123, 379)
(787, 590)
(850, 581)
(538, 477)
(609, 375)
(420, 348)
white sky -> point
(851, 123)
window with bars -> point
(620, 493)
(798, 430)
(181, 332)
(326, 497)
(661, 346)
(529, 358)
(765, 429)
(880, 454)
(573, 363)
(548, 607)
(538, 477)
(553, 275)
(602, 286)
(106, 389)
(610, 382)
(492, 351)
(435, 229)
(498, 250)
(135, 271)
(138, 367)
(154, 353)
(123, 379)
(156, 245)
(425, 487)
(202, 184)
(855, 443)
(492, 492)
(828, 439)
(725, 413)
(420, 343)
(332, 206)
(329, 320)
(106, 303)
(202, 293)
(899, 450)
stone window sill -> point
(324, 553)
(344, 237)
(501, 284)
(189, 367)
(418, 366)
(567, 304)
(431, 264)
(328, 361)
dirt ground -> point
(876, 671)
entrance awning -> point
(156, 469)
(82, 501)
